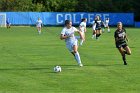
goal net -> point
(2, 20)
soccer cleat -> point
(97, 38)
(125, 63)
(81, 65)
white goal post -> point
(2, 19)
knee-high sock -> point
(124, 58)
(39, 31)
(81, 42)
(77, 57)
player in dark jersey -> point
(97, 27)
(8, 24)
(120, 41)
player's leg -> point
(108, 29)
(81, 43)
(121, 50)
(127, 50)
(7, 25)
(94, 34)
(77, 56)
(103, 30)
(99, 32)
(39, 29)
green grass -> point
(27, 60)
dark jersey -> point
(99, 24)
(7, 22)
(120, 35)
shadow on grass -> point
(103, 65)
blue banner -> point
(58, 18)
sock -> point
(124, 59)
(77, 57)
(94, 36)
(81, 42)
(108, 30)
(103, 29)
(97, 36)
(39, 32)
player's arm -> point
(81, 36)
(116, 38)
(126, 38)
(94, 26)
(85, 30)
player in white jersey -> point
(71, 41)
(82, 27)
(38, 25)
(107, 24)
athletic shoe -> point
(125, 63)
(81, 65)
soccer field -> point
(27, 60)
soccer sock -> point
(108, 30)
(94, 36)
(103, 29)
(124, 59)
(97, 36)
(77, 57)
(81, 42)
(39, 32)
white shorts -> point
(38, 26)
(71, 44)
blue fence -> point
(58, 18)
(137, 24)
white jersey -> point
(69, 32)
(39, 23)
(83, 26)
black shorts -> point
(98, 28)
(119, 45)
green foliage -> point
(72, 6)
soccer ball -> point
(57, 69)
